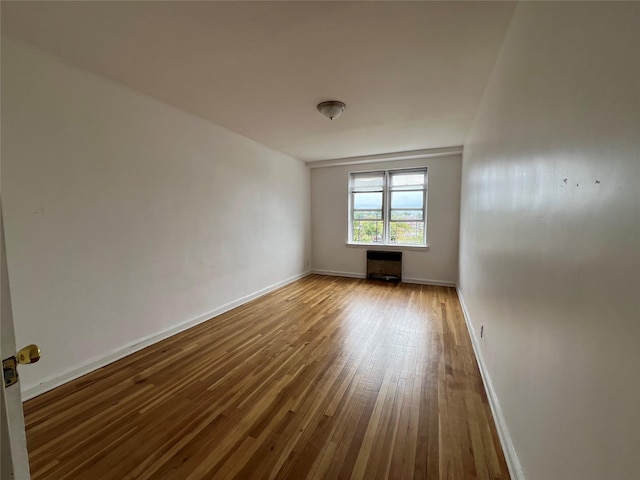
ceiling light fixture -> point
(332, 108)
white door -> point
(14, 463)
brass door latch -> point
(9, 371)
(26, 355)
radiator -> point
(384, 265)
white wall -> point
(550, 230)
(126, 218)
(329, 222)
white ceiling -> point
(411, 73)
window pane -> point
(367, 231)
(367, 182)
(408, 233)
(367, 201)
(367, 214)
(406, 215)
(404, 179)
(407, 199)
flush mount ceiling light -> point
(332, 108)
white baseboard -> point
(30, 391)
(335, 273)
(515, 469)
(428, 281)
(422, 281)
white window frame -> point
(386, 207)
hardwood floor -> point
(326, 378)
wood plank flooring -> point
(326, 378)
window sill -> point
(378, 246)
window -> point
(388, 207)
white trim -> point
(515, 469)
(428, 281)
(387, 157)
(121, 352)
(336, 273)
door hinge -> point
(10, 371)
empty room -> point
(320, 240)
